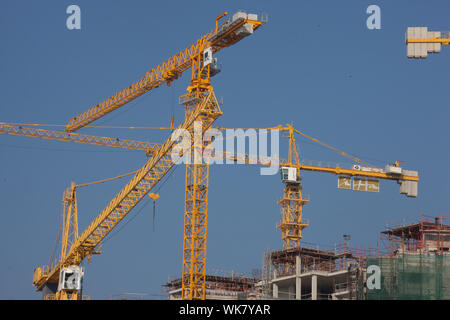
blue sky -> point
(315, 65)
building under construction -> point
(311, 272)
(307, 272)
(413, 258)
(417, 265)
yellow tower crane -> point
(420, 41)
(200, 105)
(365, 178)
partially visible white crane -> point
(420, 41)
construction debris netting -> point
(412, 277)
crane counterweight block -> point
(420, 42)
(409, 188)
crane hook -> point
(155, 197)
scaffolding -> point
(319, 272)
(220, 287)
(411, 276)
(316, 257)
(425, 234)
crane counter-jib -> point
(360, 173)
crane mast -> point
(69, 290)
(196, 191)
(292, 202)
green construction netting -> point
(412, 277)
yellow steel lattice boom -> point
(223, 36)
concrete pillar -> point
(275, 291)
(314, 287)
(298, 288)
(298, 265)
(298, 280)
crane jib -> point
(227, 35)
